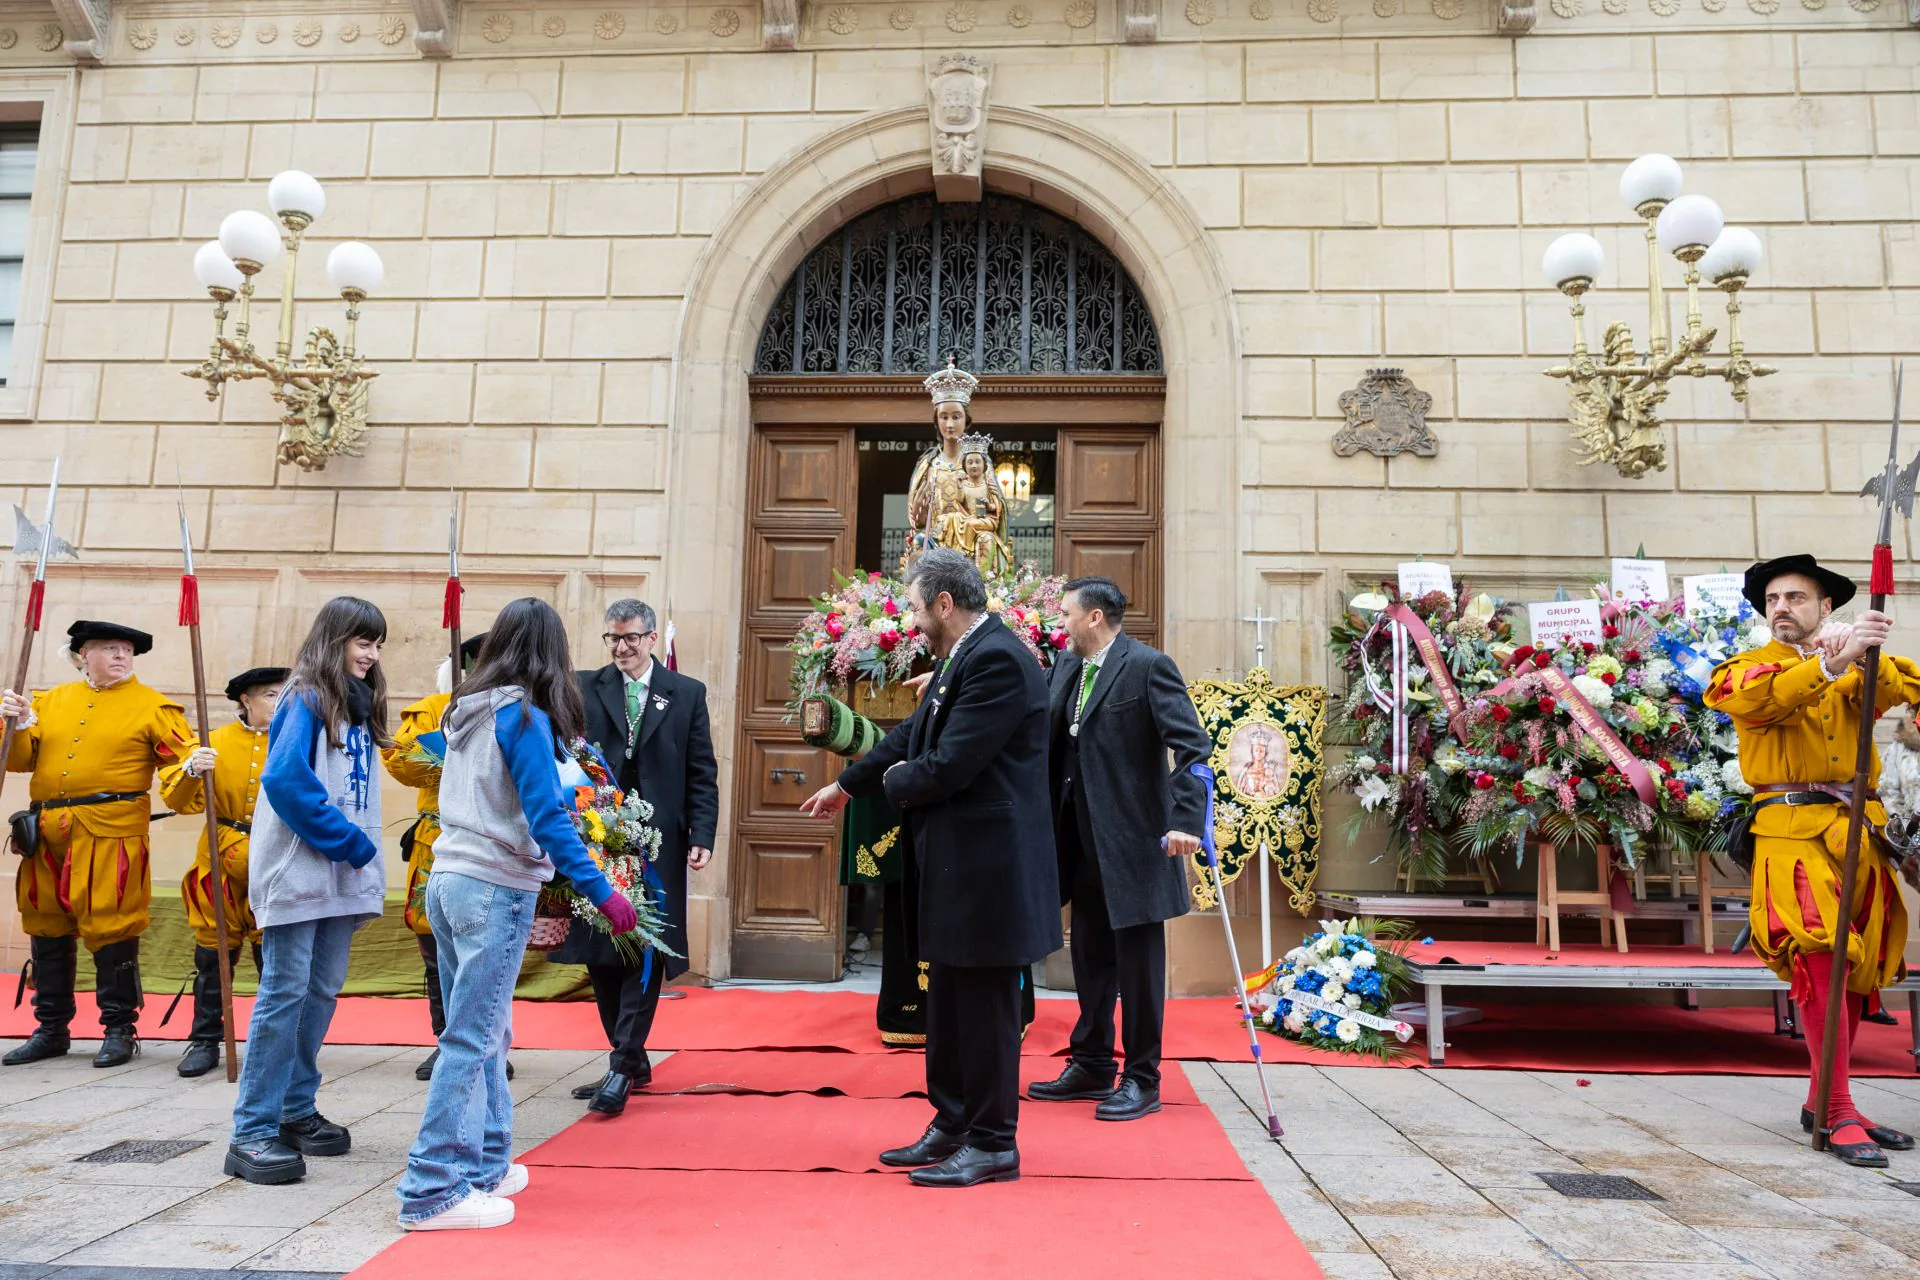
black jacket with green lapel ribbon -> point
(972, 784)
(1138, 712)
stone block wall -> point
(1378, 183)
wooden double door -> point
(802, 501)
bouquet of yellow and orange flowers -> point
(616, 828)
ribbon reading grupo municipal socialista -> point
(1594, 725)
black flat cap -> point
(82, 631)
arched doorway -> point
(1113, 196)
(1072, 394)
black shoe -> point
(611, 1098)
(265, 1162)
(1130, 1101)
(934, 1146)
(316, 1136)
(968, 1167)
(117, 1048)
(509, 1068)
(425, 1070)
(1076, 1084)
(584, 1092)
(201, 1057)
(1882, 1017)
(1891, 1139)
(39, 1046)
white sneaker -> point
(478, 1210)
(514, 1183)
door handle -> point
(798, 775)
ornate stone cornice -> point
(85, 22)
(1143, 21)
(433, 23)
(780, 24)
(1516, 17)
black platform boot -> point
(436, 1003)
(203, 1041)
(52, 962)
(116, 969)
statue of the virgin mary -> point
(954, 500)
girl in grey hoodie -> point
(506, 826)
(316, 876)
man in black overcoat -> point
(969, 771)
(651, 725)
(1124, 826)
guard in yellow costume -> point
(416, 764)
(240, 751)
(1796, 704)
(92, 746)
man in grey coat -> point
(1123, 825)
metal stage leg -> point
(1689, 998)
(1913, 1025)
(1437, 1024)
(1780, 1013)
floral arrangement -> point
(863, 630)
(1419, 808)
(1336, 990)
(616, 829)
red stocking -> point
(1813, 985)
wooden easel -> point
(1482, 873)
(1549, 899)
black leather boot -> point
(209, 1028)
(116, 969)
(52, 964)
(436, 1003)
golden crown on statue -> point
(951, 385)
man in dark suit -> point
(968, 771)
(651, 725)
(1124, 826)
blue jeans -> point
(303, 967)
(466, 1132)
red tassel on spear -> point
(1894, 486)
(46, 543)
(450, 608)
(216, 869)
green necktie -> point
(1087, 673)
(636, 707)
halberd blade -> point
(27, 539)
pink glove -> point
(620, 913)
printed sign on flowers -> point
(1558, 622)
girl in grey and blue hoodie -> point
(506, 827)
(316, 877)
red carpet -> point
(801, 1133)
(1537, 1037)
(900, 1074)
(826, 1226)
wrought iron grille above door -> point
(1008, 286)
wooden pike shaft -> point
(1849, 879)
(215, 868)
(21, 670)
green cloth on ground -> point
(385, 960)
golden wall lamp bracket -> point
(324, 390)
(1616, 394)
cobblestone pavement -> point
(1421, 1175)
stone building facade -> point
(588, 210)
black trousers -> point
(973, 1052)
(628, 999)
(1128, 965)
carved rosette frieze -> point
(958, 84)
(1386, 416)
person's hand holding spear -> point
(1894, 487)
(216, 870)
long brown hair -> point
(527, 648)
(321, 668)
